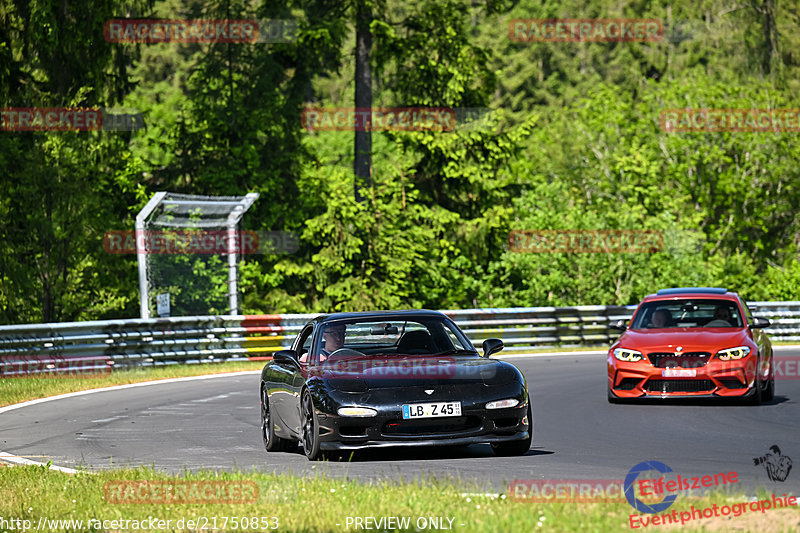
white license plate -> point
(679, 372)
(431, 410)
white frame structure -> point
(236, 206)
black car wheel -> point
(272, 442)
(516, 447)
(310, 429)
(755, 396)
(769, 392)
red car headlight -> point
(733, 353)
(624, 354)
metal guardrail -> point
(92, 347)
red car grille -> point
(681, 360)
(679, 385)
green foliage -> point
(573, 142)
(61, 191)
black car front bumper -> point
(475, 426)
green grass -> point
(15, 390)
(315, 503)
(318, 503)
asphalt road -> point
(214, 423)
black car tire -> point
(272, 443)
(516, 447)
(310, 429)
(768, 393)
(755, 397)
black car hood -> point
(369, 374)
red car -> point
(692, 343)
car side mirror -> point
(286, 357)
(491, 346)
(620, 325)
(759, 322)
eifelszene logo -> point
(638, 504)
(662, 485)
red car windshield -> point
(688, 313)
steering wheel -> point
(344, 353)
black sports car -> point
(391, 378)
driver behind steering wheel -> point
(333, 339)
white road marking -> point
(111, 419)
(212, 398)
(16, 459)
(10, 458)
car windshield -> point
(688, 313)
(418, 336)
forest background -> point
(572, 141)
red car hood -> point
(705, 340)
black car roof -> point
(405, 313)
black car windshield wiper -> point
(457, 351)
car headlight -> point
(502, 404)
(733, 353)
(624, 354)
(356, 411)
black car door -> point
(302, 348)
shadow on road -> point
(702, 402)
(430, 453)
